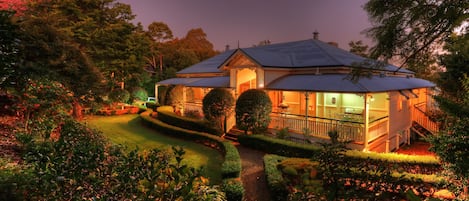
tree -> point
(159, 32)
(196, 41)
(217, 106)
(8, 45)
(406, 28)
(253, 108)
(358, 48)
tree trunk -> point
(77, 110)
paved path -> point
(253, 175)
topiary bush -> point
(253, 109)
(218, 106)
(119, 95)
(174, 96)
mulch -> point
(419, 148)
(252, 175)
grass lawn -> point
(128, 130)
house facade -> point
(316, 87)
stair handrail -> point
(424, 120)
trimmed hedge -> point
(392, 161)
(166, 114)
(231, 168)
(233, 189)
(275, 181)
(279, 146)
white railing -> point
(378, 128)
(319, 127)
(423, 119)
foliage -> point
(9, 45)
(451, 144)
(119, 96)
(282, 133)
(456, 63)
(231, 168)
(406, 28)
(166, 115)
(301, 175)
(81, 165)
(159, 31)
(234, 189)
(279, 146)
(253, 109)
(358, 48)
(196, 41)
(275, 181)
(174, 96)
(218, 106)
(138, 93)
(42, 103)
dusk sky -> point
(250, 21)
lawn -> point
(128, 130)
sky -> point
(247, 22)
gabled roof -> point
(341, 83)
(297, 54)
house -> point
(310, 85)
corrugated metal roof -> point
(223, 82)
(177, 81)
(341, 83)
(297, 54)
(208, 66)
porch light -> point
(261, 85)
(372, 98)
(333, 100)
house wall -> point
(400, 119)
(270, 75)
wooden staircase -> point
(422, 124)
(233, 134)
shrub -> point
(231, 167)
(81, 165)
(119, 95)
(233, 189)
(166, 115)
(253, 109)
(275, 181)
(139, 93)
(195, 114)
(174, 96)
(218, 106)
(279, 146)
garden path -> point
(252, 174)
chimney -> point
(316, 35)
(227, 47)
(335, 44)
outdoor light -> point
(372, 98)
(333, 100)
(261, 85)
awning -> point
(341, 83)
(212, 82)
(178, 81)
